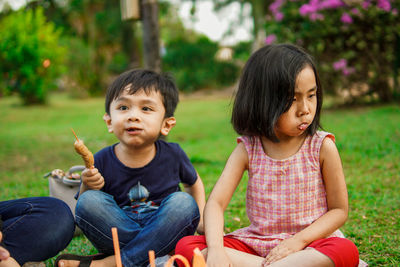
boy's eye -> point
(146, 109)
(123, 107)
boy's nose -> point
(133, 115)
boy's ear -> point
(168, 124)
(107, 120)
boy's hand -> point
(285, 248)
(92, 179)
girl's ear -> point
(107, 120)
(168, 124)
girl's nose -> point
(303, 108)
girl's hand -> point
(285, 248)
(92, 179)
(218, 258)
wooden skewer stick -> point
(152, 258)
(77, 139)
(116, 247)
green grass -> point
(35, 140)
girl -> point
(296, 194)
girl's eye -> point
(123, 108)
(311, 96)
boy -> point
(135, 183)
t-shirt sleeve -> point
(187, 173)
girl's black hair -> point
(266, 90)
(147, 80)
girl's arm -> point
(197, 192)
(217, 203)
(336, 194)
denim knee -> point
(183, 203)
(91, 201)
(182, 208)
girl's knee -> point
(341, 251)
(187, 244)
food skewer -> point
(117, 251)
(82, 150)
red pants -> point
(341, 251)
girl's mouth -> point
(303, 126)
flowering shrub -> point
(30, 55)
(356, 42)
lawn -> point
(35, 140)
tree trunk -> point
(257, 12)
(151, 45)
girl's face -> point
(301, 113)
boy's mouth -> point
(133, 130)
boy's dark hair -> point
(266, 90)
(147, 80)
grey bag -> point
(64, 186)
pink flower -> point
(331, 4)
(355, 11)
(307, 9)
(316, 16)
(270, 39)
(384, 5)
(340, 64)
(366, 4)
(278, 16)
(346, 18)
(348, 71)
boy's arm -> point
(197, 192)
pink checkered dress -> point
(283, 196)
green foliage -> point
(100, 44)
(362, 34)
(193, 63)
(30, 55)
(39, 139)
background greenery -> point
(35, 140)
(91, 44)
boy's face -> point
(137, 120)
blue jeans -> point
(36, 228)
(139, 230)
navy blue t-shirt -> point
(161, 176)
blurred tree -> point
(355, 42)
(30, 55)
(100, 44)
(259, 10)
